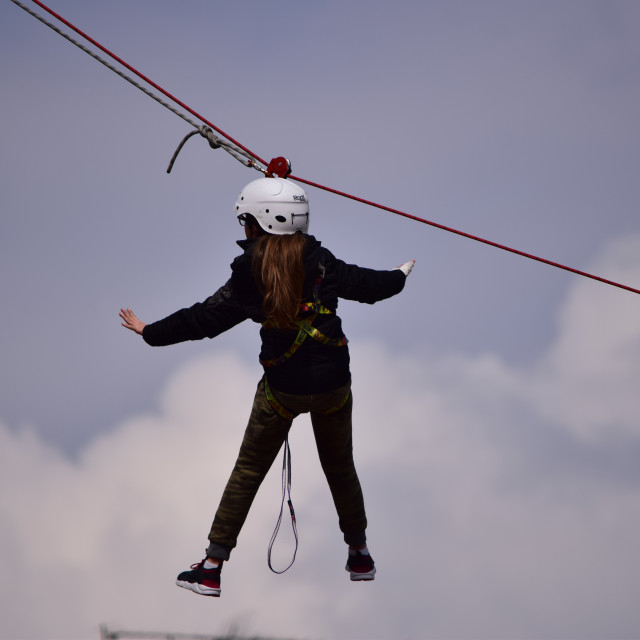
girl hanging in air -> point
(290, 284)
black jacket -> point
(315, 367)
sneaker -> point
(361, 566)
(206, 582)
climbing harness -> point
(305, 329)
(285, 413)
(305, 325)
(278, 166)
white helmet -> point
(281, 207)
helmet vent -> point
(281, 219)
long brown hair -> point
(278, 267)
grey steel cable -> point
(215, 142)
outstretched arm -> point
(370, 285)
(131, 321)
(207, 319)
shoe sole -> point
(362, 577)
(200, 589)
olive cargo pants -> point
(263, 438)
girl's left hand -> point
(131, 321)
(406, 267)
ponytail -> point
(278, 268)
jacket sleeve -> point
(367, 285)
(207, 319)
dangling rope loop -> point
(286, 492)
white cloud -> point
(503, 501)
(597, 354)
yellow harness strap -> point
(276, 405)
(305, 328)
(285, 413)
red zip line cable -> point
(468, 235)
(319, 186)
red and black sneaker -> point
(206, 582)
(361, 566)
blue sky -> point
(496, 398)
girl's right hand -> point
(131, 321)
